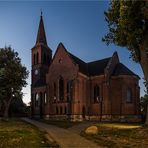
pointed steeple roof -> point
(41, 36)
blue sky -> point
(79, 25)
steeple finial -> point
(41, 36)
(41, 13)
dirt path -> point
(65, 138)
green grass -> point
(120, 135)
(61, 123)
(18, 134)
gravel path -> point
(65, 138)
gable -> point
(62, 64)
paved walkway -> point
(78, 128)
(65, 138)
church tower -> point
(41, 57)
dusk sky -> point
(79, 25)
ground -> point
(16, 133)
(61, 123)
(118, 135)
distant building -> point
(64, 86)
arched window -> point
(37, 58)
(69, 90)
(61, 89)
(65, 111)
(45, 98)
(54, 91)
(129, 95)
(57, 111)
(34, 58)
(61, 112)
(54, 87)
(96, 94)
(36, 99)
(48, 60)
(44, 59)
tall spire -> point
(41, 36)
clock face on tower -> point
(36, 72)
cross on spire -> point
(41, 12)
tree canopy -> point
(128, 25)
(13, 76)
(144, 103)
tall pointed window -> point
(65, 110)
(129, 95)
(37, 58)
(36, 99)
(48, 60)
(57, 111)
(45, 98)
(34, 59)
(61, 110)
(61, 89)
(44, 58)
(54, 91)
(69, 90)
(96, 94)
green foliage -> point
(18, 107)
(13, 75)
(128, 25)
(144, 103)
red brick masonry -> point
(65, 87)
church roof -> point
(41, 36)
(97, 67)
(91, 68)
(82, 65)
(121, 69)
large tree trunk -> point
(6, 109)
(144, 65)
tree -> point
(143, 104)
(13, 77)
(18, 107)
(128, 27)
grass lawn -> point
(18, 134)
(118, 135)
(61, 123)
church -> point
(64, 87)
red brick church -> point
(66, 87)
